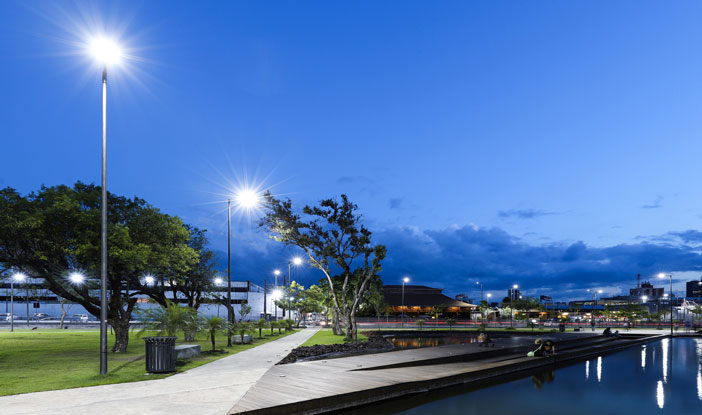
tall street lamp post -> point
(511, 298)
(481, 290)
(246, 199)
(670, 299)
(19, 277)
(488, 304)
(405, 280)
(297, 261)
(107, 53)
(275, 289)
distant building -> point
(646, 289)
(514, 293)
(420, 299)
(464, 298)
(694, 289)
(545, 300)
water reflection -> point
(599, 369)
(660, 398)
(419, 342)
(544, 377)
(664, 349)
(699, 382)
(587, 370)
(643, 357)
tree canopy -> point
(336, 242)
(55, 231)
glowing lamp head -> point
(247, 198)
(19, 277)
(405, 280)
(297, 260)
(106, 51)
(599, 291)
(149, 279)
(76, 278)
(218, 281)
(489, 295)
(661, 275)
(515, 286)
(644, 298)
(276, 295)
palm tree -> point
(260, 325)
(170, 319)
(212, 325)
(242, 329)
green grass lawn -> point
(325, 336)
(32, 361)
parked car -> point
(82, 318)
(8, 317)
(41, 317)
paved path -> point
(211, 389)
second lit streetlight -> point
(405, 280)
(106, 52)
(18, 277)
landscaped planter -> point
(236, 338)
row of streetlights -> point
(76, 278)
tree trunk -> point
(336, 327)
(212, 338)
(121, 328)
(189, 337)
(350, 325)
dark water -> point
(656, 378)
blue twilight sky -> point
(550, 144)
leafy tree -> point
(420, 323)
(196, 281)
(302, 301)
(212, 325)
(244, 311)
(242, 328)
(57, 230)
(437, 310)
(333, 238)
(274, 325)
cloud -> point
(396, 203)
(523, 213)
(654, 205)
(455, 258)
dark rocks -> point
(376, 343)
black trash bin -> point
(160, 354)
(561, 327)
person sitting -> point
(538, 350)
(549, 348)
(607, 332)
(616, 334)
(485, 340)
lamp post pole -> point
(12, 304)
(671, 304)
(481, 290)
(404, 280)
(230, 317)
(103, 232)
(27, 302)
(511, 298)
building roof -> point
(423, 297)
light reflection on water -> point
(419, 342)
(662, 377)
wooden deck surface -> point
(321, 386)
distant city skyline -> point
(551, 145)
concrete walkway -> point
(211, 389)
